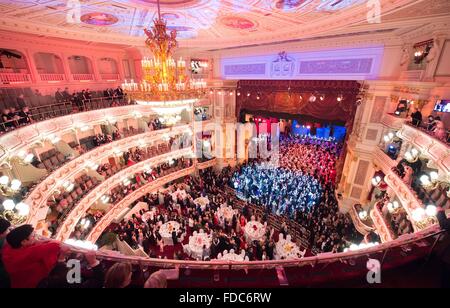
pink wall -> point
(32, 47)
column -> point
(95, 70)
(32, 67)
(66, 67)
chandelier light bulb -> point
(16, 184)
(434, 176)
(23, 209)
(8, 205)
(4, 180)
(431, 210)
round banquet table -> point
(166, 231)
(231, 256)
(225, 213)
(197, 242)
(286, 250)
(254, 231)
(202, 201)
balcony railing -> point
(83, 77)
(112, 77)
(12, 78)
(307, 271)
(52, 77)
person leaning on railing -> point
(444, 246)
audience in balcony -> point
(80, 101)
(416, 117)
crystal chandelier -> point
(164, 78)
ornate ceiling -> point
(200, 23)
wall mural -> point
(240, 23)
(99, 19)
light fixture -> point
(393, 207)
(68, 186)
(340, 98)
(322, 97)
(312, 98)
(231, 93)
(431, 210)
(163, 77)
(238, 93)
(105, 199)
(15, 213)
(431, 181)
(412, 155)
(248, 94)
(363, 215)
(389, 137)
(91, 165)
(376, 180)
(9, 187)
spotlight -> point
(248, 94)
(238, 94)
(312, 98)
(322, 97)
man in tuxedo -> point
(119, 93)
(66, 95)
(174, 237)
(59, 96)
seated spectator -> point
(25, 116)
(118, 276)
(439, 129)
(26, 260)
(59, 96)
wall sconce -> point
(424, 217)
(85, 223)
(412, 155)
(340, 98)
(15, 213)
(91, 165)
(126, 182)
(376, 180)
(393, 207)
(105, 199)
(9, 188)
(389, 137)
(68, 186)
(363, 215)
(24, 157)
(431, 181)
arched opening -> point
(108, 69)
(13, 67)
(81, 68)
(49, 66)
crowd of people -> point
(433, 125)
(227, 234)
(302, 187)
(19, 114)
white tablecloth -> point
(226, 212)
(179, 193)
(254, 231)
(149, 215)
(196, 244)
(232, 257)
(287, 250)
(166, 231)
(202, 201)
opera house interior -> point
(224, 143)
